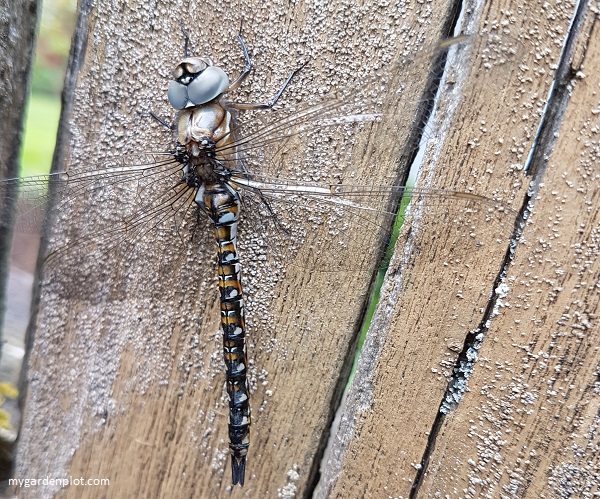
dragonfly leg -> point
(247, 67)
(154, 116)
(269, 104)
(186, 38)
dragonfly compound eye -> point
(177, 95)
(206, 86)
(196, 83)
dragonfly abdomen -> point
(222, 202)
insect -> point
(215, 166)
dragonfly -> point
(214, 171)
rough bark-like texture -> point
(527, 427)
(125, 377)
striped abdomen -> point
(221, 202)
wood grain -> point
(127, 384)
(502, 439)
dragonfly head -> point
(196, 81)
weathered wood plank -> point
(125, 378)
(429, 305)
(528, 426)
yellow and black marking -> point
(221, 202)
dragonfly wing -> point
(115, 207)
(332, 228)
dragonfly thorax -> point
(204, 129)
(203, 148)
(200, 172)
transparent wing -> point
(324, 227)
(333, 228)
(108, 215)
(319, 227)
(31, 195)
(377, 95)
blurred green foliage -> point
(52, 48)
(43, 109)
(41, 122)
